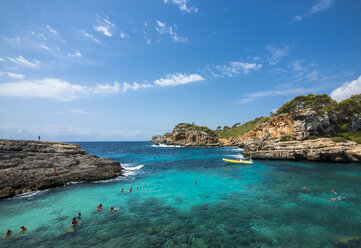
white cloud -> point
(45, 47)
(178, 78)
(134, 86)
(51, 29)
(90, 36)
(162, 28)
(106, 89)
(123, 35)
(182, 4)
(2, 60)
(297, 65)
(76, 54)
(233, 68)
(80, 111)
(269, 93)
(276, 53)
(54, 88)
(15, 75)
(347, 89)
(104, 26)
(313, 75)
(320, 5)
(22, 61)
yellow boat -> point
(241, 161)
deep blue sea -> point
(230, 206)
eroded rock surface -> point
(323, 149)
(27, 165)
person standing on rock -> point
(38, 137)
(54, 172)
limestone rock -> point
(27, 165)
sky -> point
(126, 70)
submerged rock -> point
(27, 165)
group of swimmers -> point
(338, 198)
(9, 232)
(130, 190)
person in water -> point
(7, 233)
(333, 191)
(195, 182)
(130, 190)
(99, 207)
(137, 188)
(74, 222)
(336, 199)
(112, 209)
(23, 229)
(305, 189)
(79, 216)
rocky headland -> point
(27, 165)
(185, 134)
(312, 127)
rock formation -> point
(186, 135)
(33, 165)
(323, 149)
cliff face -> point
(186, 138)
(29, 165)
(299, 126)
(323, 149)
(265, 140)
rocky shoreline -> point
(27, 165)
(323, 149)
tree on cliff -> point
(319, 103)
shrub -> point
(287, 138)
(339, 140)
(312, 137)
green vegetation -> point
(286, 138)
(237, 130)
(319, 103)
(352, 135)
(340, 117)
(190, 127)
(339, 140)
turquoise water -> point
(230, 206)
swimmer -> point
(99, 207)
(305, 189)
(79, 216)
(112, 209)
(22, 229)
(7, 233)
(333, 199)
(122, 190)
(336, 199)
(74, 222)
(333, 191)
(130, 190)
(195, 182)
(137, 188)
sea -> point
(188, 197)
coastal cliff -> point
(27, 165)
(323, 149)
(185, 134)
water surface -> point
(230, 206)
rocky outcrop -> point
(183, 137)
(298, 125)
(323, 149)
(29, 165)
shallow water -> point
(230, 206)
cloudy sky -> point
(130, 69)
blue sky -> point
(130, 69)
